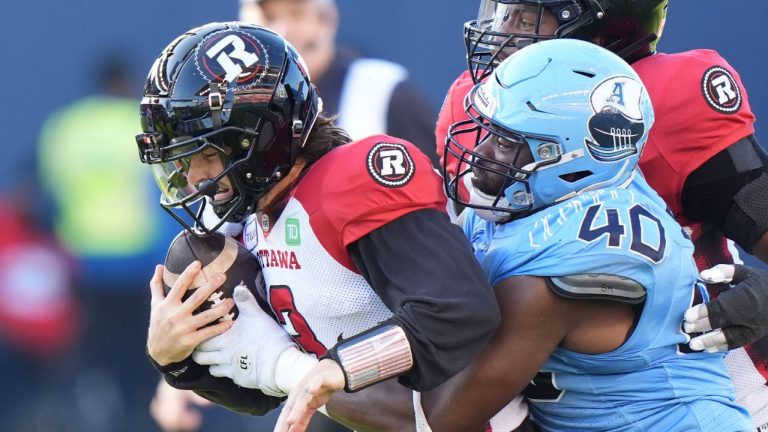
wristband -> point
(372, 356)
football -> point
(218, 254)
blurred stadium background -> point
(71, 353)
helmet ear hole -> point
(575, 176)
(278, 115)
(266, 136)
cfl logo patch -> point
(390, 164)
(720, 90)
(244, 362)
(232, 56)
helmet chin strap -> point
(627, 53)
(209, 219)
(215, 103)
(479, 198)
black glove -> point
(738, 315)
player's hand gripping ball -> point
(218, 254)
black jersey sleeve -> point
(188, 375)
(728, 191)
(423, 268)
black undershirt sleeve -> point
(423, 268)
(708, 193)
(188, 375)
(410, 117)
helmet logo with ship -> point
(617, 125)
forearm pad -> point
(372, 356)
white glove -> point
(721, 273)
(696, 319)
(248, 352)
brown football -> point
(218, 254)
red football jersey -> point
(701, 108)
(451, 112)
(314, 288)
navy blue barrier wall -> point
(48, 47)
(426, 35)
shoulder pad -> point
(598, 286)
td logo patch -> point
(292, 232)
(720, 90)
(390, 164)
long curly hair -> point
(324, 137)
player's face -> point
(497, 148)
(523, 22)
(206, 165)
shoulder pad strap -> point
(598, 286)
(747, 155)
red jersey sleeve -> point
(451, 112)
(364, 185)
(701, 108)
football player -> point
(702, 156)
(591, 272)
(360, 260)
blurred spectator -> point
(106, 213)
(39, 317)
(369, 95)
(39, 314)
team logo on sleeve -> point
(232, 56)
(390, 164)
(720, 90)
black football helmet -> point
(629, 28)
(239, 89)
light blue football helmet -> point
(581, 110)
